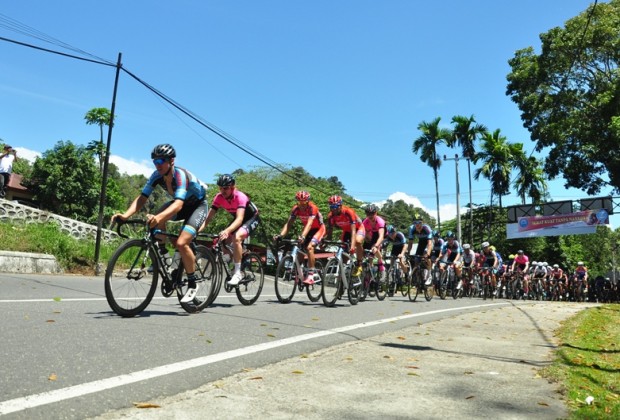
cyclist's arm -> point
(167, 214)
(306, 228)
(134, 207)
(236, 224)
(210, 215)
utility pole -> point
(458, 193)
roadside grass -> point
(73, 255)
(587, 363)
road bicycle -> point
(374, 282)
(471, 282)
(397, 279)
(134, 269)
(448, 283)
(291, 272)
(250, 287)
(486, 282)
(417, 281)
(337, 277)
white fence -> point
(11, 211)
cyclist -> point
(424, 234)
(469, 262)
(313, 228)
(438, 243)
(521, 264)
(350, 223)
(581, 274)
(399, 246)
(451, 254)
(558, 276)
(245, 220)
(189, 203)
(375, 232)
(490, 261)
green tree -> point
(65, 180)
(569, 97)
(531, 180)
(100, 117)
(426, 144)
(400, 214)
(496, 156)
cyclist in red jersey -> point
(352, 228)
(313, 230)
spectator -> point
(6, 168)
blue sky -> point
(337, 87)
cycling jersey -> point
(304, 213)
(238, 200)
(557, 274)
(399, 239)
(185, 186)
(437, 247)
(345, 220)
(451, 250)
(489, 259)
(521, 260)
(425, 233)
(468, 257)
(373, 227)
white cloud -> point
(29, 155)
(131, 167)
(446, 211)
(125, 166)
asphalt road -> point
(67, 356)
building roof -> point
(15, 183)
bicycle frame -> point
(341, 277)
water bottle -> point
(176, 259)
(166, 257)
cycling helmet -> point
(225, 180)
(484, 244)
(545, 263)
(520, 252)
(417, 219)
(580, 263)
(511, 257)
(390, 229)
(436, 234)
(302, 196)
(556, 266)
(450, 234)
(540, 264)
(466, 247)
(335, 200)
(534, 263)
(163, 151)
(371, 209)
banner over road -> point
(578, 223)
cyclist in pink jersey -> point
(522, 263)
(375, 233)
(245, 221)
(313, 228)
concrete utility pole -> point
(458, 193)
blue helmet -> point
(390, 229)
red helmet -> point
(335, 200)
(302, 196)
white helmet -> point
(556, 266)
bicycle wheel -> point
(381, 286)
(414, 285)
(250, 287)
(429, 292)
(129, 287)
(314, 290)
(206, 273)
(331, 286)
(443, 285)
(286, 279)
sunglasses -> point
(334, 206)
(302, 201)
(225, 188)
(159, 161)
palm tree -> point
(531, 180)
(496, 156)
(465, 133)
(427, 144)
(100, 117)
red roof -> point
(16, 183)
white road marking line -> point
(31, 401)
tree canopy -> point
(569, 97)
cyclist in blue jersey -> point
(438, 243)
(424, 234)
(399, 246)
(189, 203)
(451, 254)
